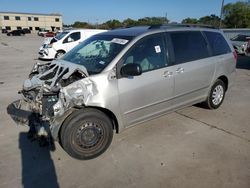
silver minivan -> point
(120, 78)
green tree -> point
(79, 24)
(212, 20)
(129, 23)
(237, 15)
(152, 21)
(112, 24)
(190, 21)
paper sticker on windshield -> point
(119, 41)
(157, 49)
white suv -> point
(64, 42)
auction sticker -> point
(119, 41)
(157, 49)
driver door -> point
(150, 94)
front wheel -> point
(216, 95)
(59, 54)
(86, 134)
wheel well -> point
(112, 116)
(61, 51)
(225, 80)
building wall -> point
(28, 21)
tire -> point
(86, 134)
(59, 54)
(216, 95)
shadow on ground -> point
(38, 168)
(243, 62)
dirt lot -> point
(193, 147)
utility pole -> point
(166, 17)
(221, 12)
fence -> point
(230, 33)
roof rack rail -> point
(182, 25)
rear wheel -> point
(86, 134)
(216, 95)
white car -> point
(63, 42)
(240, 43)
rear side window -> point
(217, 43)
(189, 46)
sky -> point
(100, 10)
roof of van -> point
(76, 29)
(138, 30)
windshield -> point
(61, 35)
(241, 38)
(97, 52)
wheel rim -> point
(217, 95)
(89, 136)
(58, 55)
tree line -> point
(235, 15)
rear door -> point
(194, 68)
(149, 94)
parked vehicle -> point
(123, 77)
(239, 43)
(16, 33)
(4, 31)
(26, 31)
(41, 32)
(49, 34)
(64, 42)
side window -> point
(73, 37)
(189, 46)
(148, 52)
(217, 43)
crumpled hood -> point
(49, 75)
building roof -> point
(52, 14)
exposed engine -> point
(51, 90)
(42, 88)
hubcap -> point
(89, 135)
(218, 94)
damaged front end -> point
(52, 92)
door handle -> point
(167, 74)
(180, 70)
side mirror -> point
(131, 69)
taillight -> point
(235, 56)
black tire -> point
(59, 54)
(86, 134)
(211, 103)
